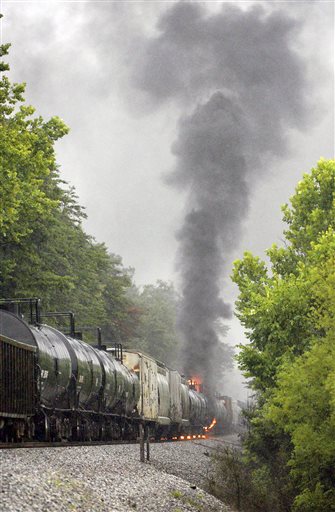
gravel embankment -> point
(108, 479)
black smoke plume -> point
(248, 83)
(215, 176)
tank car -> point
(79, 392)
(56, 387)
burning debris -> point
(211, 426)
(189, 437)
(196, 384)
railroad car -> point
(56, 387)
(17, 388)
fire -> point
(195, 383)
(208, 429)
(189, 437)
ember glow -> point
(189, 437)
(208, 429)
(196, 383)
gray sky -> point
(85, 62)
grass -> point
(187, 500)
(177, 494)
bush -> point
(238, 482)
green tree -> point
(288, 310)
(312, 208)
(303, 406)
(156, 333)
(278, 307)
(44, 250)
(27, 162)
(303, 403)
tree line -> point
(287, 305)
(45, 251)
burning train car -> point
(56, 387)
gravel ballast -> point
(108, 478)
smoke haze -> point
(249, 86)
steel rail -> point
(68, 444)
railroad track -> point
(60, 444)
(65, 444)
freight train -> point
(55, 387)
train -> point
(55, 387)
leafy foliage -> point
(312, 208)
(44, 250)
(288, 310)
(304, 407)
(240, 482)
(156, 332)
(27, 165)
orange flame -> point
(195, 382)
(207, 429)
(187, 437)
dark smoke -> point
(242, 61)
(214, 173)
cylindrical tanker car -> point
(56, 387)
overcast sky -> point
(88, 63)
